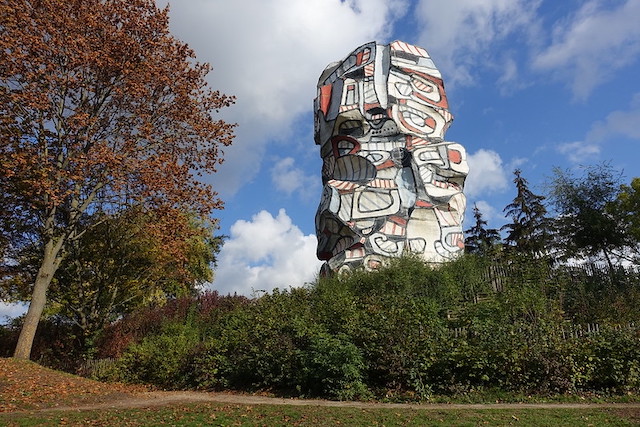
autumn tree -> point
(117, 267)
(479, 239)
(101, 108)
(530, 230)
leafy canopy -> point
(100, 108)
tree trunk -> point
(50, 263)
(608, 258)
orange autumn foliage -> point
(101, 108)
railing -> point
(96, 368)
(569, 330)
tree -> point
(480, 239)
(530, 230)
(626, 206)
(101, 108)
(117, 267)
(585, 226)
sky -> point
(533, 84)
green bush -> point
(406, 330)
(158, 359)
(332, 366)
(609, 360)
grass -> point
(277, 415)
(29, 394)
(501, 396)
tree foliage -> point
(585, 226)
(479, 239)
(117, 267)
(529, 230)
(100, 108)
(627, 208)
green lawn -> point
(276, 415)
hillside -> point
(27, 385)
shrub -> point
(384, 333)
(610, 360)
(332, 366)
(158, 359)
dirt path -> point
(153, 399)
(26, 385)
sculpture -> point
(391, 182)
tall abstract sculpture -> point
(391, 182)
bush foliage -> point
(405, 331)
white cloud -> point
(489, 213)
(617, 124)
(461, 34)
(270, 53)
(579, 151)
(265, 253)
(289, 179)
(486, 173)
(590, 46)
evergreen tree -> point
(530, 231)
(480, 239)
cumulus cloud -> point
(269, 53)
(617, 124)
(486, 174)
(591, 45)
(461, 34)
(264, 253)
(288, 178)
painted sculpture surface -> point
(391, 182)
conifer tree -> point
(480, 239)
(530, 230)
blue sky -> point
(532, 84)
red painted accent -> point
(430, 122)
(359, 56)
(398, 220)
(388, 164)
(368, 107)
(408, 141)
(423, 204)
(455, 156)
(438, 82)
(325, 98)
(338, 138)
